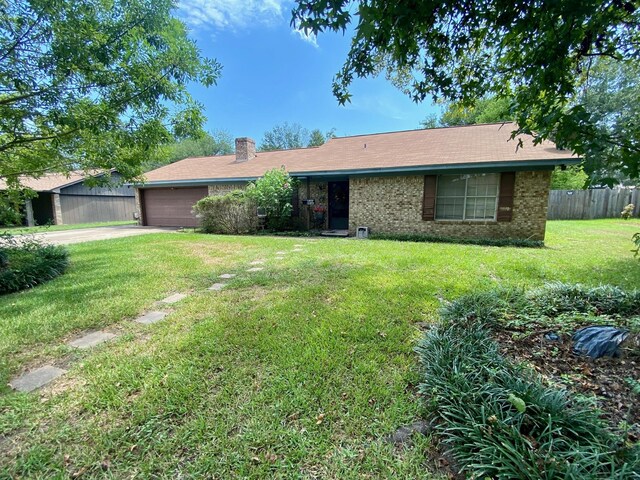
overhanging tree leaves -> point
(94, 84)
(537, 52)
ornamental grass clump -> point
(498, 418)
(26, 262)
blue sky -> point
(272, 74)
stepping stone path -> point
(41, 376)
(91, 339)
(36, 378)
(175, 298)
(151, 317)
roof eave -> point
(476, 167)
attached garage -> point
(170, 207)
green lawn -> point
(56, 228)
(297, 371)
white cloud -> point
(231, 14)
(307, 36)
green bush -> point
(499, 419)
(492, 242)
(233, 213)
(273, 193)
(26, 262)
(556, 298)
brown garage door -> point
(171, 207)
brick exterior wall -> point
(224, 188)
(394, 205)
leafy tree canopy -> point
(571, 178)
(287, 136)
(485, 110)
(94, 84)
(537, 53)
(217, 143)
(610, 95)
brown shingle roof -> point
(48, 181)
(439, 147)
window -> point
(467, 197)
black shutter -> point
(429, 198)
(505, 201)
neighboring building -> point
(471, 181)
(65, 199)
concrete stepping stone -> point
(151, 317)
(257, 262)
(216, 287)
(37, 378)
(91, 339)
(175, 298)
(297, 245)
(227, 275)
(281, 253)
(279, 258)
(297, 250)
(255, 269)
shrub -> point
(233, 213)
(26, 262)
(492, 242)
(556, 298)
(498, 418)
(273, 193)
(627, 212)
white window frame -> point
(464, 203)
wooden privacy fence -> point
(588, 204)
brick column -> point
(57, 209)
(138, 206)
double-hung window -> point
(467, 197)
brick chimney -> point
(245, 149)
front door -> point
(339, 205)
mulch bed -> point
(603, 378)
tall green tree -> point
(209, 144)
(94, 84)
(317, 138)
(610, 94)
(571, 178)
(533, 51)
(484, 110)
(286, 136)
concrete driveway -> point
(80, 235)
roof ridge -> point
(421, 130)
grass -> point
(296, 371)
(56, 228)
